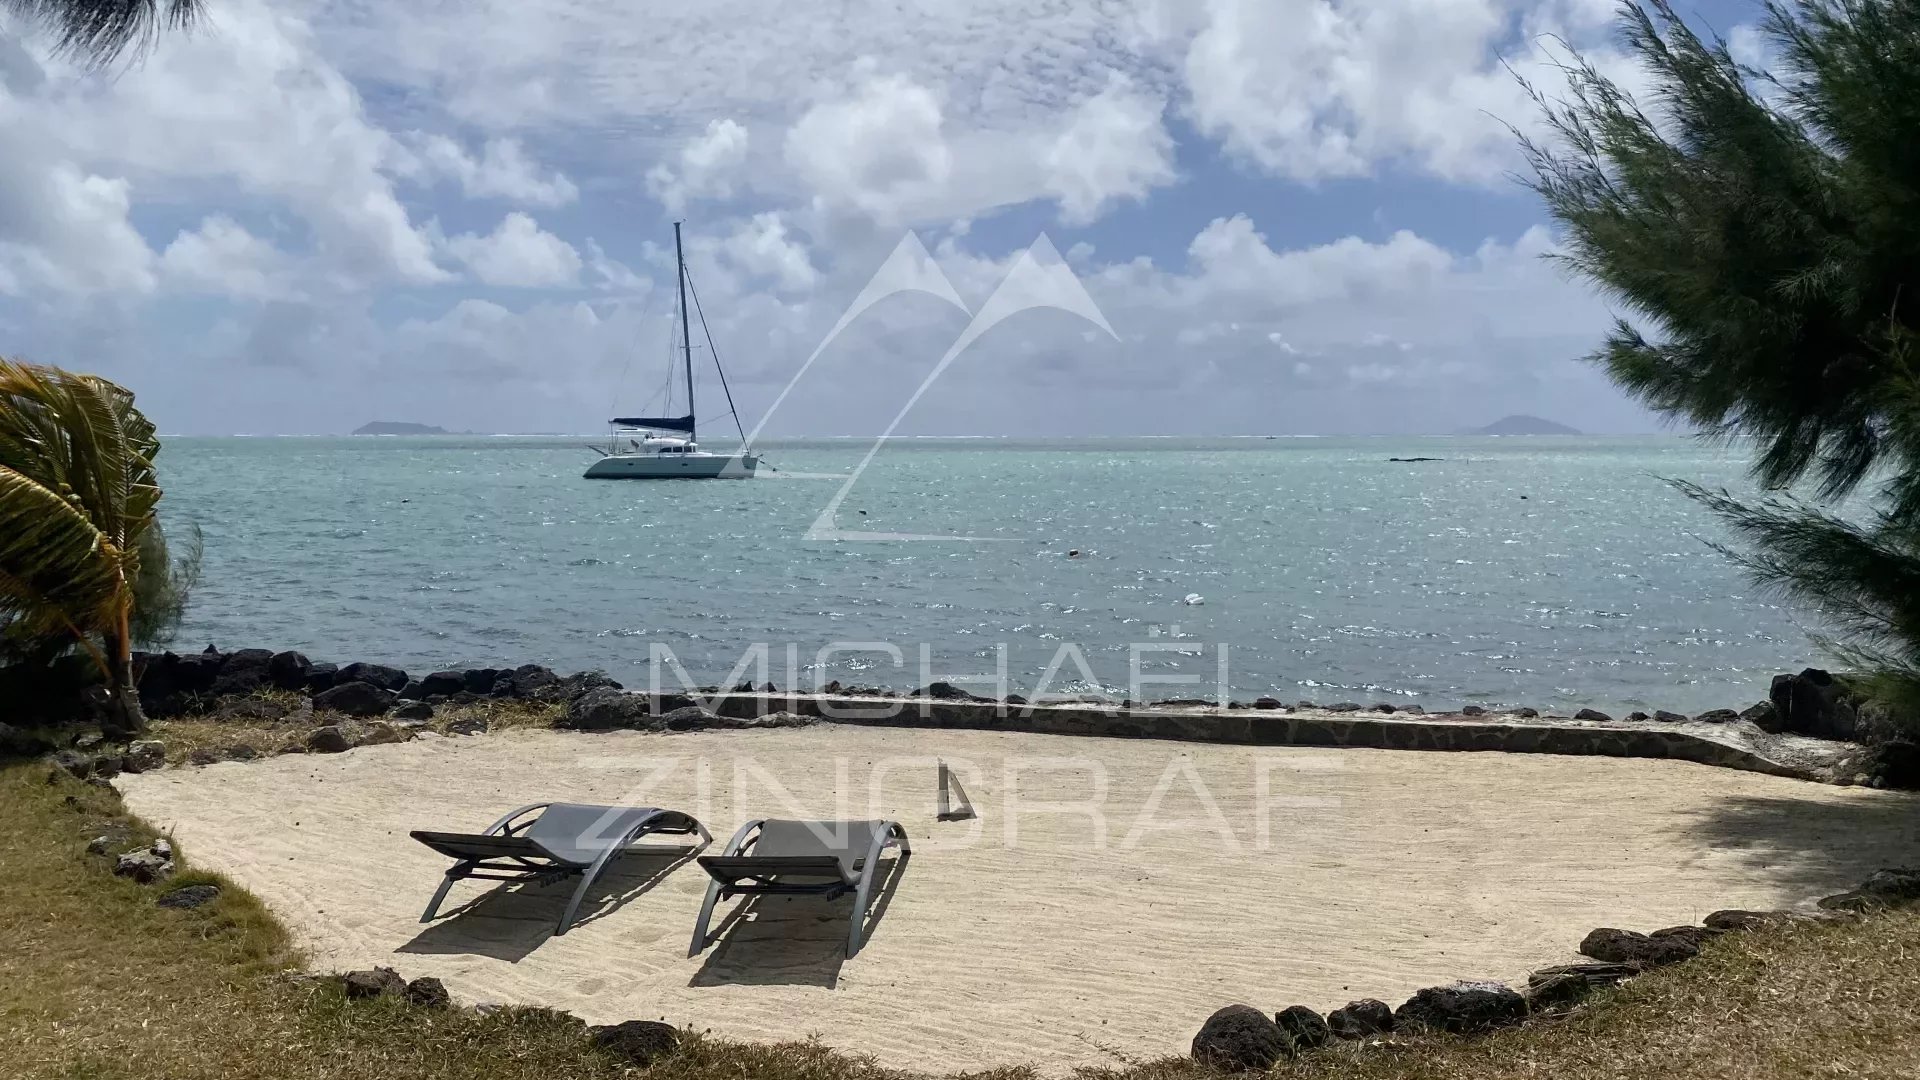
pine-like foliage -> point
(1763, 228)
(99, 31)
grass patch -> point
(185, 734)
(97, 981)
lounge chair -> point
(564, 840)
(799, 858)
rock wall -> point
(1268, 727)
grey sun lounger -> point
(771, 857)
(564, 840)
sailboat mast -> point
(686, 335)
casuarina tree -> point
(1760, 230)
(99, 31)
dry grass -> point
(183, 735)
(96, 981)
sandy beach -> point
(1110, 895)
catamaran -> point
(663, 447)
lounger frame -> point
(526, 860)
(745, 882)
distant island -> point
(399, 427)
(1524, 425)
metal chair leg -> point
(440, 894)
(706, 914)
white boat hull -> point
(653, 466)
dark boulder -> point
(479, 680)
(635, 1042)
(1665, 717)
(241, 681)
(355, 699)
(415, 690)
(145, 867)
(243, 672)
(690, 718)
(189, 896)
(1595, 974)
(1636, 716)
(1526, 712)
(1462, 1008)
(1762, 715)
(1302, 1028)
(428, 993)
(1717, 716)
(1893, 764)
(1736, 919)
(1268, 703)
(443, 682)
(529, 680)
(289, 670)
(561, 691)
(1627, 947)
(245, 658)
(321, 676)
(607, 709)
(195, 673)
(145, 755)
(1380, 707)
(1239, 1038)
(1360, 1019)
(328, 739)
(946, 691)
(1557, 992)
(1698, 935)
(1811, 703)
(380, 675)
(1595, 715)
(79, 765)
(1344, 706)
(1885, 889)
(375, 983)
(1472, 710)
(414, 710)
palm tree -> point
(101, 30)
(1765, 230)
(77, 500)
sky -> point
(1137, 216)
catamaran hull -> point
(673, 467)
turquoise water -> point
(1549, 572)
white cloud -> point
(250, 108)
(704, 168)
(762, 247)
(1234, 257)
(224, 259)
(1308, 89)
(880, 150)
(1115, 147)
(518, 254)
(502, 170)
(66, 230)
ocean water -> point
(1553, 572)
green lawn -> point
(96, 981)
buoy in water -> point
(1074, 553)
(1194, 599)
